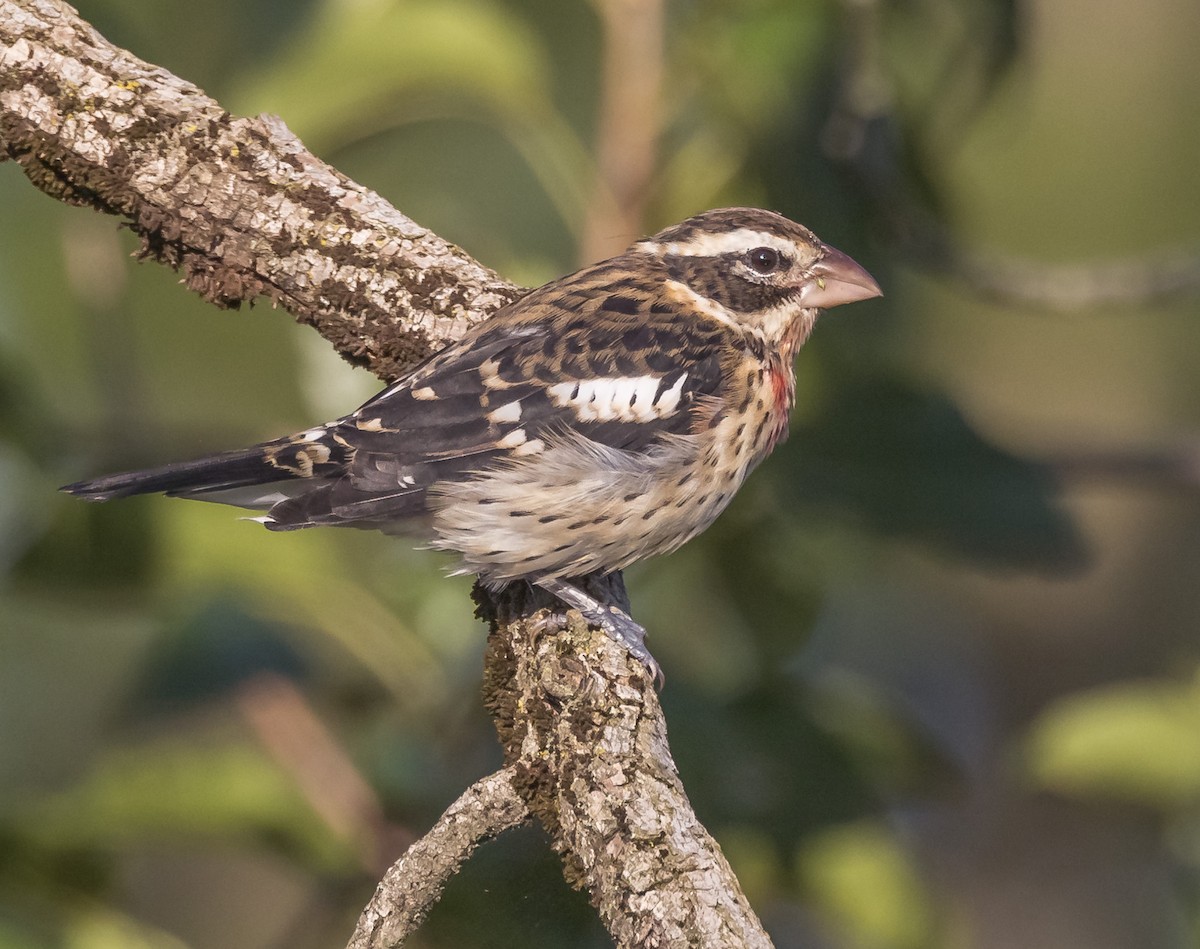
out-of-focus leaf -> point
(946, 68)
(755, 860)
(298, 580)
(756, 63)
(12, 937)
(761, 760)
(697, 172)
(366, 63)
(1138, 743)
(166, 791)
(904, 462)
(85, 924)
(362, 68)
(206, 43)
(215, 650)
(21, 523)
(885, 741)
(102, 928)
(998, 32)
(99, 546)
(862, 879)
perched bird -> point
(605, 417)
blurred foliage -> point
(841, 864)
(1137, 743)
(908, 675)
(167, 790)
(946, 485)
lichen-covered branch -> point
(237, 204)
(245, 211)
(415, 882)
(587, 742)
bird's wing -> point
(506, 390)
(501, 392)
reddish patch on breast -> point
(782, 386)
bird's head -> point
(757, 269)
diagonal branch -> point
(414, 883)
(244, 210)
(237, 204)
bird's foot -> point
(613, 620)
(554, 621)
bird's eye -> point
(764, 260)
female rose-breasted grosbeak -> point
(605, 417)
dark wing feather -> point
(501, 390)
(466, 417)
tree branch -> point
(237, 204)
(629, 122)
(243, 210)
(415, 882)
(587, 741)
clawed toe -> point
(618, 624)
(550, 622)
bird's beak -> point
(836, 278)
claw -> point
(615, 622)
(550, 622)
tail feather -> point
(231, 469)
(341, 505)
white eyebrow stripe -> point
(620, 398)
(725, 242)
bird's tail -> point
(251, 477)
(228, 470)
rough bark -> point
(414, 883)
(238, 205)
(587, 741)
(244, 211)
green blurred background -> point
(932, 681)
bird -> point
(605, 417)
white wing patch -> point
(618, 398)
(509, 412)
(513, 439)
(668, 402)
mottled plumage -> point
(607, 416)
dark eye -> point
(764, 260)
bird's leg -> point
(618, 624)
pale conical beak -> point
(836, 278)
